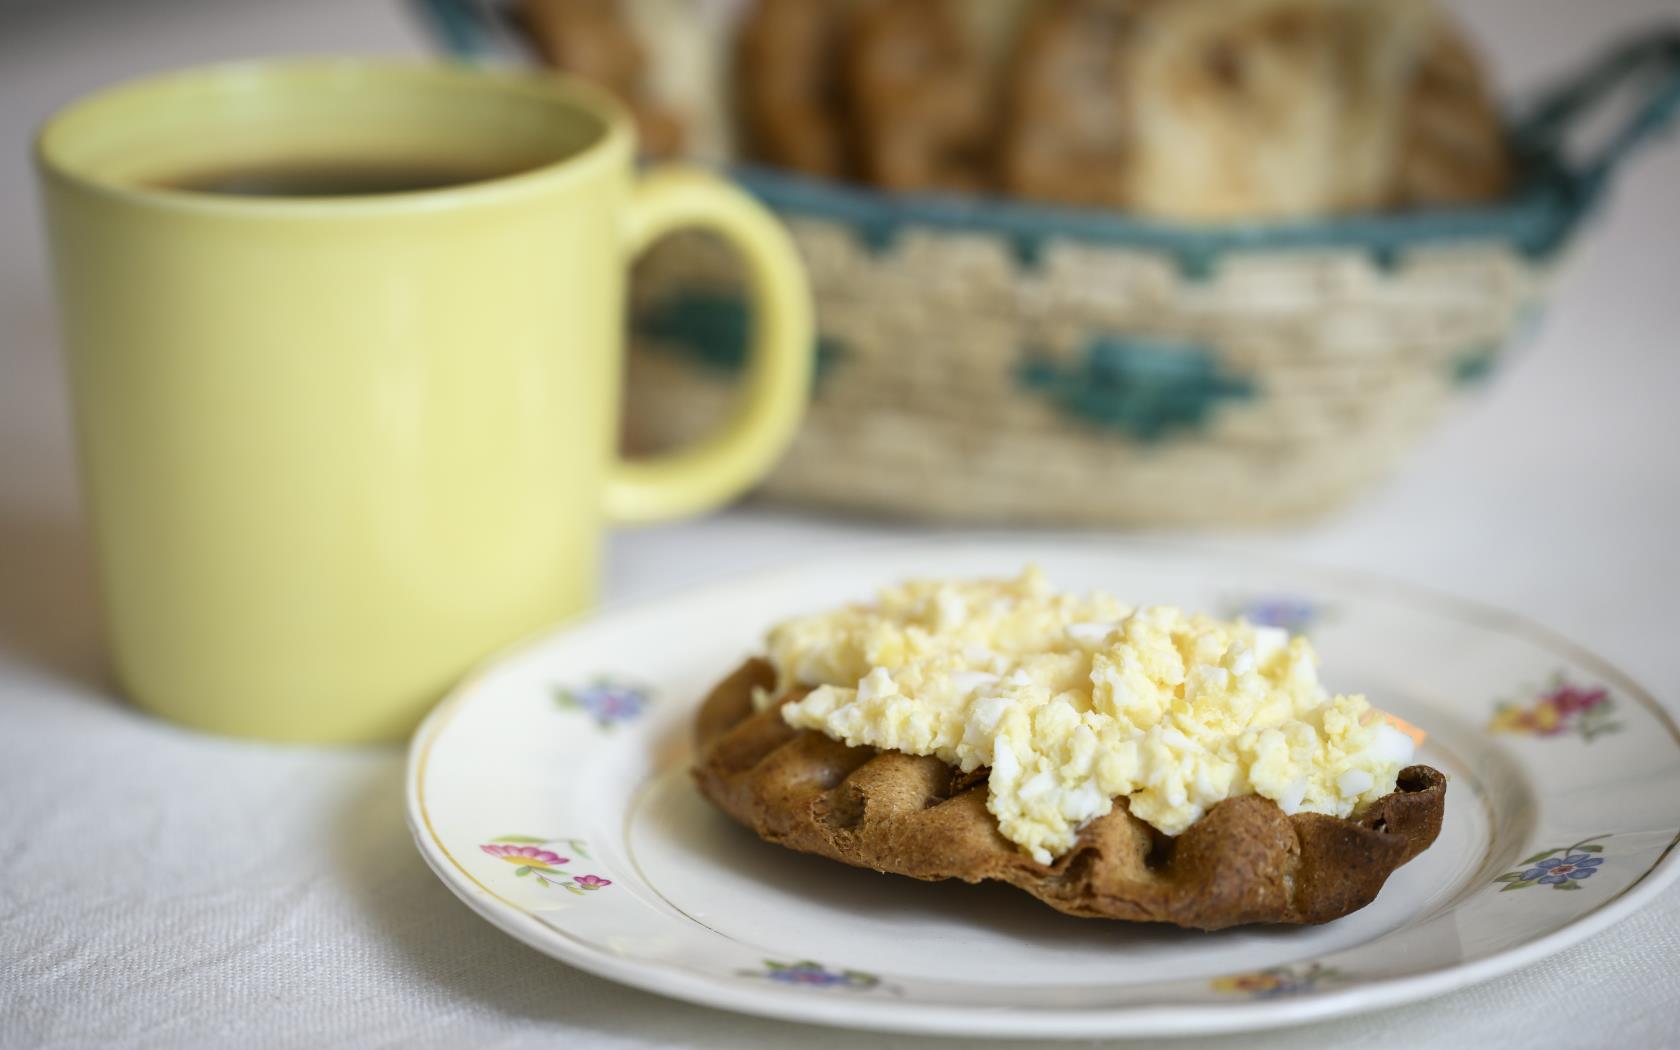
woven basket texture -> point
(1091, 385)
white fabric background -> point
(161, 888)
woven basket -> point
(1095, 384)
(988, 360)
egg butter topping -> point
(1075, 700)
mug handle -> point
(779, 360)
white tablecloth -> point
(159, 887)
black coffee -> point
(333, 178)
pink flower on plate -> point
(526, 856)
(591, 882)
(1571, 698)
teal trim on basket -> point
(713, 328)
(1146, 388)
(1534, 223)
(1475, 364)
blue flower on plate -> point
(1560, 868)
(1554, 871)
(1294, 614)
(813, 974)
(606, 700)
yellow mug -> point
(337, 444)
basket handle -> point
(473, 30)
(1652, 63)
(454, 25)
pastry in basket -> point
(1123, 763)
(1201, 110)
(1067, 127)
(595, 41)
(1238, 109)
(916, 95)
(893, 91)
(789, 85)
(1453, 150)
(1270, 107)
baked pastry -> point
(893, 92)
(1453, 149)
(916, 93)
(1243, 862)
(593, 40)
(788, 54)
(1240, 109)
(1263, 108)
(1067, 125)
(1128, 763)
(1191, 110)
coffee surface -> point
(333, 178)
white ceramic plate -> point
(551, 793)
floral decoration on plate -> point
(1275, 981)
(1562, 707)
(539, 858)
(607, 700)
(1295, 613)
(815, 975)
(1561, 869)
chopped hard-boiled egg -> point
(1073, 700)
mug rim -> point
(614, 143)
